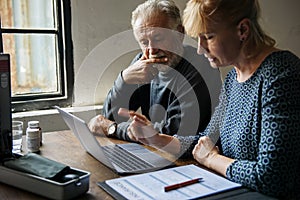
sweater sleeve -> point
(120, 96)
(187, 143)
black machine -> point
(5, 104)
(5, 108)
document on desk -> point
(152, 185)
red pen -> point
(182, 184)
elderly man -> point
(163, 81)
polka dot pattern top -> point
(258, 124)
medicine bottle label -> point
(33, 139)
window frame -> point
(62, 98)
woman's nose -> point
(201, 49)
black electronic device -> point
(1, 40)
(5, 108)
(5, 103)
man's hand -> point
(99, 124)
(142, 71)
(140, 129)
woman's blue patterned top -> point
(257, 123)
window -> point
(37, 35)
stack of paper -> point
(151, 185)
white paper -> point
(151, 185)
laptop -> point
(128, 158)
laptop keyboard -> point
(124, 159)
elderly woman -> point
(257, 120)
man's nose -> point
(152, 50)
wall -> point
(103, 42)
(104, 45)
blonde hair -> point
(199, 13)
(151, 7)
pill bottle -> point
(36, 124)
(32, 138)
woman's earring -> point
(242, 40)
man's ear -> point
(244, 29)
(180, 29)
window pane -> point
(27, 14)
(34, 66)
(40, 51)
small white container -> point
(36, 124)
(33, 139)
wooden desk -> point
(64, 147)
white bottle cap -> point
(33, 124)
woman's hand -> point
(205, 151)
(207, 154)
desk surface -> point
(63, 147)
